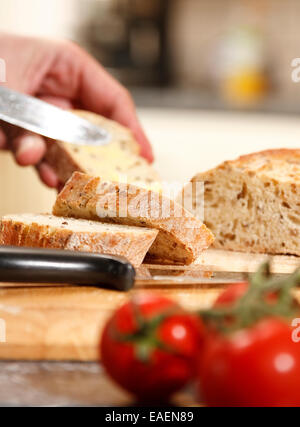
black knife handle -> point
(27, 265)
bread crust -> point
(132, 246)
(279, 153)
(181, 236)
(265, 159)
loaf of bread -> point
(116, 161)
(252, 204)
(181, 236)
(47, 231)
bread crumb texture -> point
(252, 204)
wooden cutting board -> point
(64, 322)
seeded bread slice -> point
(252, 204)
(116, 161)
(181, 236)
(47, 231)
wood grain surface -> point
(49, 322)
(64, 323)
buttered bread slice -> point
(181, 237)
(252, 204)
(48, 231)
(117, 161)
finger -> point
(122, 113)
(48, 175)
(146, 149)
(2, 140)
(101, 93)
(60, 102)
(28, 149)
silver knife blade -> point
(151, 275)
(45, 119)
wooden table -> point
(65, 384)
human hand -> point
(63, 74)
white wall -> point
(54, 18)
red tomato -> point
(173, 346)
(236, 290)
(259, 366)
(231, 294)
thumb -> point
(28, 148)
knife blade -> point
(28, 265)
(47, 120)
(149, 274)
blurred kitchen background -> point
(212, 79)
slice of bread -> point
(181, 236)
(116, 161)
(252, 204)
(48, 231)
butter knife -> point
(45, 119)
